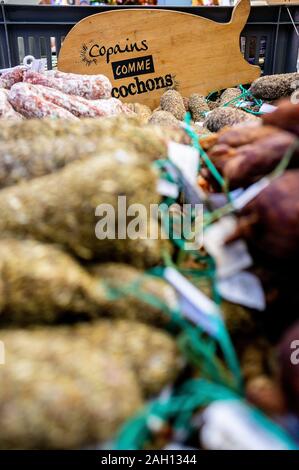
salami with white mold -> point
(15, 75)
(27, 101)
(77, 105)
(92, 87)
(6, 109)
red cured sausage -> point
(92, 87)
(6, 109)
(9, 78)
(79, 106)
(30, 104)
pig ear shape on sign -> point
(240, 14)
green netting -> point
(177, 409)
(220, 374)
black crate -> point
(269, 39)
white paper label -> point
(193, 194)
(186, 158)
(230, 425)
(195, 305)
(38, 65)
(230, 258)
(244, 104)
(250, 193)
(243, 288)
(166, 188)
(267, 108)
(220, 199)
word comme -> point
(133, 66)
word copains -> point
(142, 86)
(127, 68)
(97, 50)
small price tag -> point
(244, 104)
(267, 108)
(195, 305)
(166, 188)
(186, 158)
(199, 124)
(250, 193)
(230, 258)
(38, 65)
(192, 193)
(233, 425)
(243, 288)
(220, 199)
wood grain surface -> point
(144, 52)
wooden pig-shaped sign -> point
(144, 52)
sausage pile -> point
(59, 302)
(29, 94)
(101, 308)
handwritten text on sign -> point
(93, 53)
(145, 51)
